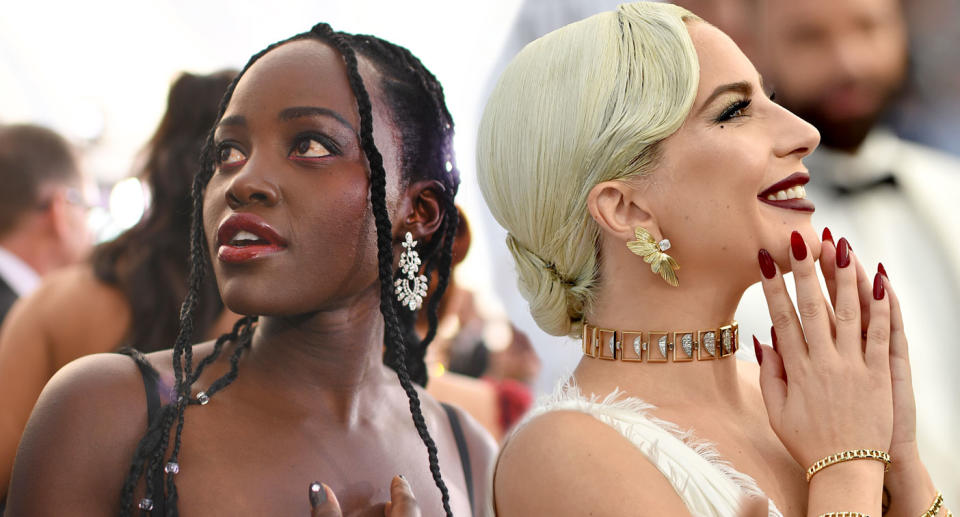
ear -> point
(420, 209)
(58, 215)
(619, 207)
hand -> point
(323, 502)
(903, 444)
(824, 391)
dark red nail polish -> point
(773, 339)
(877, 287)
(757, 350)
(827, 236)
(799, 248)
(843, 252)
(767, 266)
(881, 270)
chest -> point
(241, 463)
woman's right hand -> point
(323, 502)
(824, 389)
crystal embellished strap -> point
(660, 346)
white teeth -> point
(797, 192)
(243, 235)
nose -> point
(795, 136)
(252, 186)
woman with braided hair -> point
(331, 155)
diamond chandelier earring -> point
(411, 288)
(653, 254)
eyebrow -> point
(290, 114)
(743, 87)
(313, 111)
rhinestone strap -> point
(660, 346)
(935, 507)
(844, 514)
(856, 454)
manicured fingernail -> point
(799, 248)
(773, 339)
(757, 350)
(878, 287)
(318, 495)
(843, 252)
(767, 266)
(402, 477)
(827, 236)
(881, 270)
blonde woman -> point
(617, 149)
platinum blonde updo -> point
(584, 104)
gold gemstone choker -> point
(659, 346)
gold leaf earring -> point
(653, 254)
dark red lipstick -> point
(243, 237)
(793, 181)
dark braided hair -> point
(419, 112)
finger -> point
(753, 507)
(878, 332)
(898, 337)
(847, 308)
(828, 265)
(810, 300)
(323, 502)
(865, 287)
(773, 380)
(402, 502)
(792, 348)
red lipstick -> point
(793, 181)
(243, 237)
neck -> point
(37, 252)
(332, 358)
(697, 304)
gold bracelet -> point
(935, 507)
(844, 514)
(857, 454)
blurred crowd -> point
(878, 78)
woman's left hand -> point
(904, 442)
(323, 502)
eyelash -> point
(299, 139)
(731, 111)
(326, 142)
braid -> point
(152, 448)
(378, 197)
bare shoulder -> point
(76, 449)
(78, 314)
(568, 463)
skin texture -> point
(835, 64)
(71, 315)
(313, 400)
(716, 169)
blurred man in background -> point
(42, 209)
(840, 64)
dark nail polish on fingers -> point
(767, 266)
(799, 248)
(757, 350)
(773, 339)
(877, 287)
(881, 270)
(318, 495)
(843, 253)
(827, 236)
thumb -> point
(323, 502)
(402, 503)
(753, 507)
